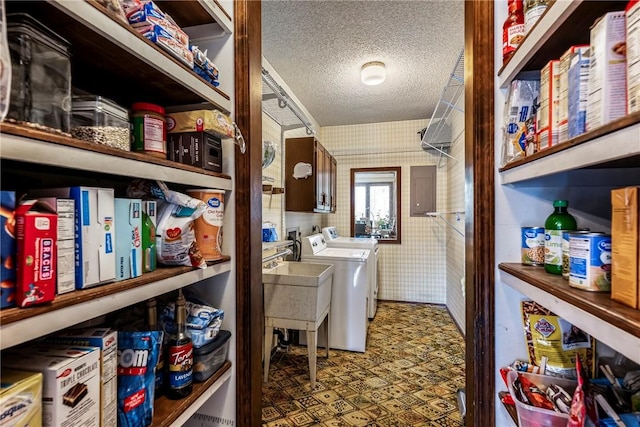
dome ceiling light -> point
(373, 73)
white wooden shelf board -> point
(105, 26)
(42, 152)
(614, 337)
(620, 144)
(202, 399)
(544, 29)
(28, 329)
(218, 14)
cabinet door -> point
(320, 158)
(333, 183)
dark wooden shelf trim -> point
(29, 132)
(76, 297)
(614, 126)
(596, 303)
(166, 411)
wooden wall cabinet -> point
(316, 192)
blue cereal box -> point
(7, 249)
(128, 238)
(577, 91)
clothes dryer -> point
(333, 239)
(349, 291)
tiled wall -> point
(455, 203)
(414, 270)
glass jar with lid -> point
(100, 120)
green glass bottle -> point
(560, 220)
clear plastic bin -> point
(208, 359)
(530, 416)
(100, 120)
(40, 74)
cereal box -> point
(71, 381)
(547, 128)
(633, 56)
(607, 100)
(578, 88)
(21, 398)
(128, 238)
(36, 238)
(563, 103)
(107, 340)
(625, 246)
(7, 249)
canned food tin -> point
(590, 261)
(565, 250)
(532, 248)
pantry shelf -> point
(176, 413)
(19, 325)
(614, 324)
(554, 32)
(196, 13)
(25, 144)
(106, 50)
(601, 147)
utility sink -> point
(297, 290)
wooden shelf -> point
(168, 412)
(26, 144)
(616, 144)
(196, 13)
(19, 325)
(270, 189)
(564, 24)
(110, 57)
(615, 324)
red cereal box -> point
(36, 238)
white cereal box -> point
(607, 100)
(547, 128)
(128, 238)
(107, 341)
(71, 381)
(633, 57)
(563, 101)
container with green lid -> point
(560, 220)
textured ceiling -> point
(318, 47)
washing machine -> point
(333, 239)
(349, 291)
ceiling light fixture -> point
(373, 73)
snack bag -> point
(519, 119)
(138, 354)
(548, 335)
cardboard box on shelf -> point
(36, 240)
(212, 121)
(66, 277)
(607, 100)
(547, 128)
(633, 56)
(128, 238)
(71, 381)
(21, 398)
(563, 99)
(7, 249)
(625, 246)
(107, 341)
(578, 88)
(200, 149)
(95, 257)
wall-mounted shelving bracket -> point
(440, 216)
(278, 105)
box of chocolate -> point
(128, 238)
(36, 241)
(7, 249)
(107, 340)
(71, 381)
(20, 398)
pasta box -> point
(71, 381)
(7, 249)
(128, 238)
(36, 238)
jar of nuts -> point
(100, 120)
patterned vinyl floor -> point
(409, 375)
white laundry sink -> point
(297, 290)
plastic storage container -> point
(530, 416)
(100, 120)
(40, 74)
(208, 359)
